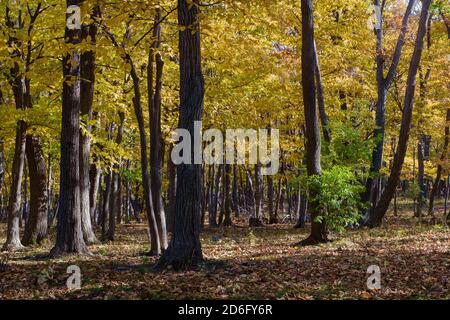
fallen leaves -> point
(247, 263)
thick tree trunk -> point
(318, 229)
(36, 228)
(69, 238)
(184, 250)
(380, 210)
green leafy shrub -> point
(337, 194)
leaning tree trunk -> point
(37, 226)
(185, 250)
(87, 85)
(380, 210)
(318, 229)
(69, 237)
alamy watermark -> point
(234, 146)
(74, 280)
(374, 279)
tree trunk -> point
(184, 250)
(227, 194)
(380, 210)
(155, 246)
(235, 192)
(420, 178)
(36, 228)
(156, 139)
(321, 97)
(69, 238)
(372, 192)
(318, 229)
(444, 156)
(171, 192)
(115, 201)
(15, 193)
(87, 85)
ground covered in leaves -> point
(244, 263)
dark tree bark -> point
(36, 228)
(185, 250)
(69, 238)
(373, 191)
(87, 85)
(319, 232)
(156, 139)
(380, 210)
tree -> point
(372, 192)
(185, 250)
(69, 237)
(376, 216)
(313, 143)
(87, 86)
(156, 139)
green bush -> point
(337, 194)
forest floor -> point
(244, 263)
